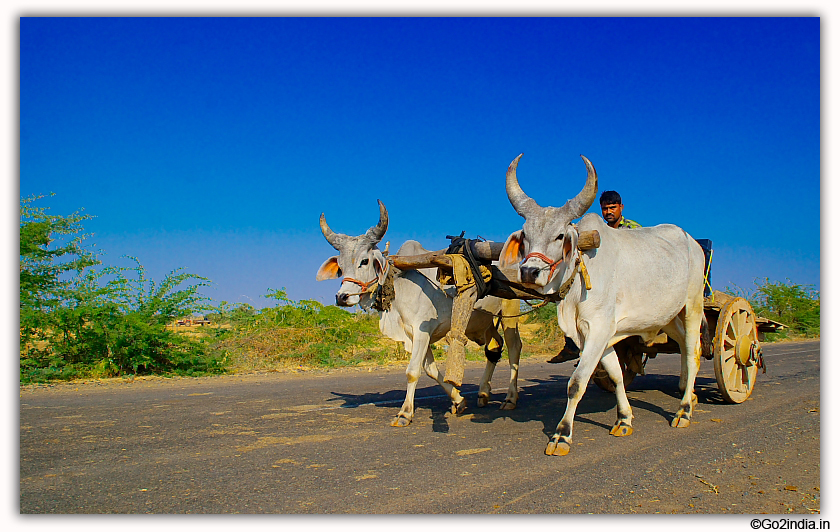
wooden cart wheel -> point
(736, 350)
(602, 379)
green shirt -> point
(626, 223)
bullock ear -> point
(379, 265)
(513, 251)
(329, 270)
(570, 241)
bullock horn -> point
(580, 204)
(522, 204)
(335, 239)
(378, 231)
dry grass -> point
(278, 348)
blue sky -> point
(215, 144)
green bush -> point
(297, 333)
(794, 305)
(546, 317)
(78, 319)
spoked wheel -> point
(602, 379)
(737, 351)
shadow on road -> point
(541, 400)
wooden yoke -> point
(488, 251)
(503, 285)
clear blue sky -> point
(215, 144)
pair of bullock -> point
(641, 282)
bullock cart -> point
(733, 343)
(734, 330)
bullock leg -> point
(623, 425)
(419, 347)
(493, 352)
(690, 348)
(676, 331)
(590, 355)
(514, 345)
(459, 403)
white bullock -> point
(420, 312)
(641, 282)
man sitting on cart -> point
(611, 210)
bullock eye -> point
(559, 237)
(364, 262)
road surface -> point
(321, 443)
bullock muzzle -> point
(341, 300)
(529, 274)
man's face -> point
(612, 213)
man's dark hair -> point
(609, 197)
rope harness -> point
(499, 317)
(706, 282)
(580, 266)
(365, 286)
(383, 293)
(550, 265)
(467, 270)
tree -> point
(795, 305)
(77, 318)
(41, 266)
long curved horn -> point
(378, 231)
(522, 203)
(335, 239)
(586, 197)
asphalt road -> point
(321, 443)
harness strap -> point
(563, 291)
(466, 248)
(706, 275)
(498, 317)
(584, 273)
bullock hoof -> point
(559, 448)
(400, 421)
(508, 405)
(680, 422)
(459, 408)
(482, 400)
(621, 429)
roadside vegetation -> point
(80, 318)
(789, 303)
(542, 335)
(295, 334)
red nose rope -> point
(578, 264)
(360, 283)
(552, 265)
(373, 281)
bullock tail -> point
(705, 339)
